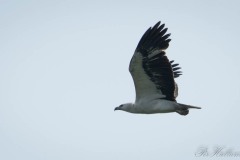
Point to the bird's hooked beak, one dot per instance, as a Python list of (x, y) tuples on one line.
[(117, 108)]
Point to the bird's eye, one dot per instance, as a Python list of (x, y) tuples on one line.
[(121, 105)]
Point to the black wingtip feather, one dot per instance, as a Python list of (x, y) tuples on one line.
[(162, 26), (174, 65), (177, 68), (154, 38)]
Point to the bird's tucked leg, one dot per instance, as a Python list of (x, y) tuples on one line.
[(183, 109), (183, 112)]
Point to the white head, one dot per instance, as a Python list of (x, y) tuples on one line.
[(128, 107)]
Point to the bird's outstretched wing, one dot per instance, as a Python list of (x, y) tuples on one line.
[(153, 74)]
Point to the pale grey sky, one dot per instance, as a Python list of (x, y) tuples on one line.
[(64, 68)]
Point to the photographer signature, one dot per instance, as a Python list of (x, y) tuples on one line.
[(218, 151)]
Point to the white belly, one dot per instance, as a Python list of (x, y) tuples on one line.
[(156, 106)]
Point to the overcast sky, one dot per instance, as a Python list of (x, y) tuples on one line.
[(64, 68)]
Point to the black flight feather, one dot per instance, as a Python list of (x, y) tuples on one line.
[(159, 69)]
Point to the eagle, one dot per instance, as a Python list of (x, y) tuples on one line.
[(154, 76)]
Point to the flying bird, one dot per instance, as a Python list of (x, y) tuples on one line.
[(154, 76)]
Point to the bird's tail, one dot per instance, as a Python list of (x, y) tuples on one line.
[(184, 109)]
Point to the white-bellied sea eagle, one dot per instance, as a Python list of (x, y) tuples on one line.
[(153, 75)]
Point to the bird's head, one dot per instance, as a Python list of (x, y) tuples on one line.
[(128, 107)]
